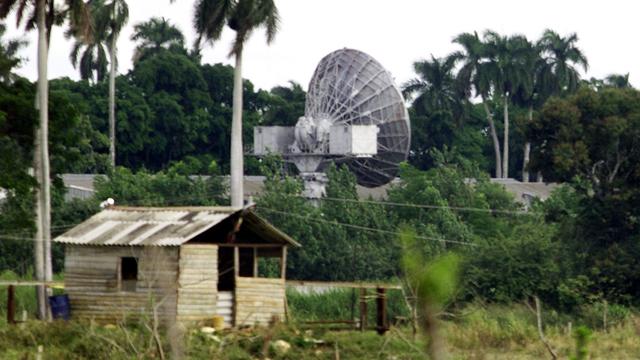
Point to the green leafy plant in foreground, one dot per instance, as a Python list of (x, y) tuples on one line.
[(582, 336), (434, 283)]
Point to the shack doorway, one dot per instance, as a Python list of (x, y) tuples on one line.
[(226, 269), (226, 284)]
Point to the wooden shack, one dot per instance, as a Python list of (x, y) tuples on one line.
[(188, 263)]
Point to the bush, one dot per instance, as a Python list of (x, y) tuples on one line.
[(523, 264)]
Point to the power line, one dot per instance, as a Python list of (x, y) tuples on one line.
[(152, 202), (363, 227), (423, 206), (358, 227), (374, 202), (145, 202)]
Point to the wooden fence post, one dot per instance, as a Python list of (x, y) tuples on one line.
[(11, 305), (381, 313), (363, 309)]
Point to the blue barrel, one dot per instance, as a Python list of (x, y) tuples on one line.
[(60, 308)]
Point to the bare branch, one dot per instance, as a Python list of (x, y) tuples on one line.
[(552, 352)]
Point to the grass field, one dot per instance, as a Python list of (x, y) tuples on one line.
[(495, 333), (473, 332)]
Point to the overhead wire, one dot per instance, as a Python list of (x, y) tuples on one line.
[(365, 228), (346, 200), (330, 222), (424, 206), (145, 202)]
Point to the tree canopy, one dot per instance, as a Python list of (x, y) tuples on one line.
[(173, 125)]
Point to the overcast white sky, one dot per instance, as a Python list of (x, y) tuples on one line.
[(396, 33)]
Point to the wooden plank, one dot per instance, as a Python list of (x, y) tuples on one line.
[(225, 295), (341, 284), (204, 310), (255, 262), (381, 311), (199, 246), (261, 288), (275, 246), (56, 284), (258, 293), (11, 304), (197, 282), (259, 281), (363, 309), (258, 300), (283, 263), (236, 261)]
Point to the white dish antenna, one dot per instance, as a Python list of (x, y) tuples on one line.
[(354, 115)]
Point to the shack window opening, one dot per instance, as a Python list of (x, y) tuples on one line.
[(269, 267), (269, 263), (128, 273)]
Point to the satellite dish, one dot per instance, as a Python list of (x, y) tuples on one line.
[(354, 115), (350, 88)]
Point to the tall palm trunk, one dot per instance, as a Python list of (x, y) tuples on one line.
[(505, 143), (112, 102), (38, 249), (527, 150), (494, 138), (42, 248), (237, 160)]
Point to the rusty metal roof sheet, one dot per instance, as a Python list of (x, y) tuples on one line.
[(171, 226), (166, 226)]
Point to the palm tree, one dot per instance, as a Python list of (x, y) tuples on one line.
[(506, 56), (436, 87), (42, 15), (154, 35), (532, 93), (562, 56), (89, 55), (8, 55), (243, 17), (108, 20), (618, 81), (474, 77), (117, 13)]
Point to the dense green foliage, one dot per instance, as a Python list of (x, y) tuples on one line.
[(173, 121), (593, 143)]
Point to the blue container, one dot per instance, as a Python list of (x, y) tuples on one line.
[(60, 308)]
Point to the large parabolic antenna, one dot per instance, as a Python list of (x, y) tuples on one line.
[(354, 115)]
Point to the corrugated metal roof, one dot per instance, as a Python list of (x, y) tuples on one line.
[(145, 226)]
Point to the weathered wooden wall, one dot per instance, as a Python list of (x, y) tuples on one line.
[(197, 282), (91, 281), (258, 300)]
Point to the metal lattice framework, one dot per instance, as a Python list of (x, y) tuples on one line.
[(350, 87)]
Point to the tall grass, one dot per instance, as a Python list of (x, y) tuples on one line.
[(25, 296), (342, 304), (485, 331)]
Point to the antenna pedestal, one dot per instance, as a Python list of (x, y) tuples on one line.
[(315, 184)]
